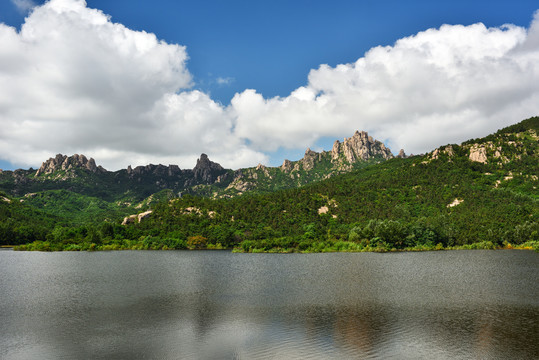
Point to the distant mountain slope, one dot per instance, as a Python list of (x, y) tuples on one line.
[(80, 175), (482, 192), (355, 152), (21, 223)]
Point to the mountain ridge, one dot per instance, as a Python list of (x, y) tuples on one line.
[(207, 178), (479, 194)]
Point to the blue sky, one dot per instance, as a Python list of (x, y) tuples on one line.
[(271, 47)]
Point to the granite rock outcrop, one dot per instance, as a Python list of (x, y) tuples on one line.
[(207, 171), (360, 147), (64, 162)]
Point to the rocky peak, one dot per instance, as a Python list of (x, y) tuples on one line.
[(206, 170), (287, 165), (402, 154), (310, 158), (64, 162), (335, 151), (360, 147), (157, 170)]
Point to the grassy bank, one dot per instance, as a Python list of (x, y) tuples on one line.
[(149, 243)]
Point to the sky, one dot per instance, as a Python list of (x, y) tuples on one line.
[(248, 82)]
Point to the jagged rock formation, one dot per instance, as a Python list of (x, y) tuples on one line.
[(207, 171), (287, 165), (310, 158), (344, 156), (207, 178), (158, 170), (448, 150), (478, 153), (359, 147), (496, 149), (63, 162), (402, 154), (63, 172)]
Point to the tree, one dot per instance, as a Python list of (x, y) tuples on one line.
[(196, 242)]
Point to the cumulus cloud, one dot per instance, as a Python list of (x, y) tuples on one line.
[(72, 81), (75, 82), (439, 86)]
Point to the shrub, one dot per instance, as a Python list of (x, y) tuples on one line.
[(196, 242)]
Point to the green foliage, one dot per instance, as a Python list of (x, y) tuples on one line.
[(75, 207), (196, 242), (20, 223), (394, 205)]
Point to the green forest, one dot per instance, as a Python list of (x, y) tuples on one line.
[(446, 199)]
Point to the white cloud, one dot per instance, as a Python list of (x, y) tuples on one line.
[(439, 86), (24, 5), (72, 81)]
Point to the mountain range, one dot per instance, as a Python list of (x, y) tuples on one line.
[(357, 196), (79, 174)]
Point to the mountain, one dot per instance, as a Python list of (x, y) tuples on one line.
[(355, 152), (65, 163), (479, 194), (81, 175)]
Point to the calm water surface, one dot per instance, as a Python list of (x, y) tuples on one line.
[(219, 305)]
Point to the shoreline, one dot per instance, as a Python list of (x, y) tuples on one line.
[(530, 246)]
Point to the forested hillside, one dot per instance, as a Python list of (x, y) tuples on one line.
[(480, 194), (443, 199)]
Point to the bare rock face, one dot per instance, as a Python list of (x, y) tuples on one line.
[(64, 162), (309, 159), (144, 215), (263, 169), (360, 147), (335, 151), (207, 171), (478, 153), (241, 182), (448, 150), (156, 170), (286, 166), (455, 202), (173, 170), (131, 219), (402, 154)]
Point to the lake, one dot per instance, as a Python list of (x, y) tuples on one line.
[(221, 305)]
